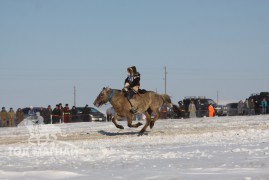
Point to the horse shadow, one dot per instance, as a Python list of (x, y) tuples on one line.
[(117, 133)]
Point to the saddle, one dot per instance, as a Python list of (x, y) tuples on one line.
[(129, 94)]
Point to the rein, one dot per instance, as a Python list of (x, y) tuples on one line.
[(111, 95)]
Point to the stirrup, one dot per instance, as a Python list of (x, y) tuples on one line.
[(133, 110)]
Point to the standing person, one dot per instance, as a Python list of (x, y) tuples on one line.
[(264, 106), (181, 109), (86, 113), (47, 115), (56, 114), (199, 108), (252, 107), (74, 114), (240, 108), (61, 112), (163, 112), (66, 114), (192, 109), (246, 111), (19, 116), (211, 110), (4, 117), (11, 117), (131, 87)]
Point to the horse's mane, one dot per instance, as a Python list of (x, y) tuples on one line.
[(117, 90)]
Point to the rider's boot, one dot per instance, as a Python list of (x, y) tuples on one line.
[(133, 110)]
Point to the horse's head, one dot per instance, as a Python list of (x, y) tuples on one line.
[(103, 97)]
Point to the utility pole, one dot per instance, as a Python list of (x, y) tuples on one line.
[(75, 95), (217, 97), (165, 73)]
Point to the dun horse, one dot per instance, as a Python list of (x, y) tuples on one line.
[(147, 103)]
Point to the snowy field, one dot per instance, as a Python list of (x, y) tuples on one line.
[(216, 148)]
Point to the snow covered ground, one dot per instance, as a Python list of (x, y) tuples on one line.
[(206, 148)]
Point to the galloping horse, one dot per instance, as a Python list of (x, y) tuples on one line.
[(147, 103)]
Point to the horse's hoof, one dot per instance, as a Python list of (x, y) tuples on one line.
[(139, 124), (120, 127), (151, 124)]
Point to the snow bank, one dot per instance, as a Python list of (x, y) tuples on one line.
[(206, 148)]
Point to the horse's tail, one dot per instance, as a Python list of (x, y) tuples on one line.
[(166, 99)]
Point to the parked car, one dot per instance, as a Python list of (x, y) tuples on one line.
[(167, 112), (26, 110), (232, 109), (95, 115), (220, 110)]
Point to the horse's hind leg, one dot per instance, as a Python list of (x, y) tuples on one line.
[(148, 118), (114, 120), (156, 117)]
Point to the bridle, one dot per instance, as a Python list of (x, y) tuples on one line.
[(111, 94)]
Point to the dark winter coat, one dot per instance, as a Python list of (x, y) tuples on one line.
[(19, 116), (74, 114), (56, 115), (86, 112), (133, 80), (47, 115)]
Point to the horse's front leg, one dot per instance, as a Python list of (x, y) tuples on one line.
[(130, 121), (114, 120)]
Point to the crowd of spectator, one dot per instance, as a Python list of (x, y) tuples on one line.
[(59, 114), (195, 110), (62, 114), (251, 107), (10, 118)]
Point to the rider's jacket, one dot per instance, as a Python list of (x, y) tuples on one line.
[(133, 80)]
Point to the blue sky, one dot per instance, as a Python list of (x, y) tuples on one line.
[(48, 47)]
